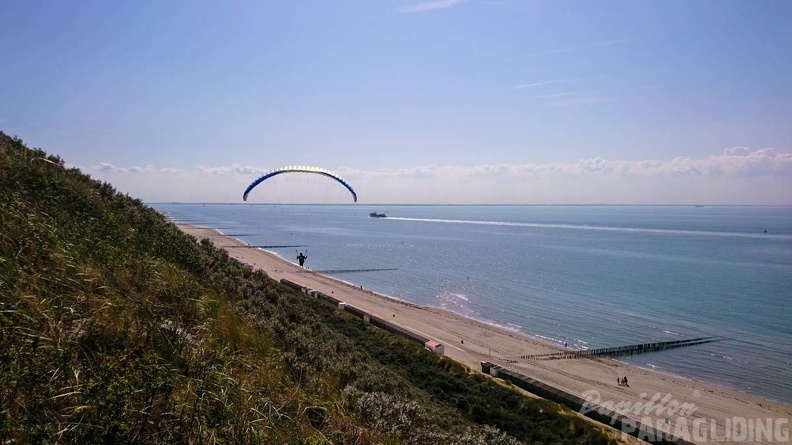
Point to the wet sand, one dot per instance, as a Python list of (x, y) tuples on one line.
[(708, 413)]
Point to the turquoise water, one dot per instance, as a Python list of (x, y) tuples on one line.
[(589, 276)]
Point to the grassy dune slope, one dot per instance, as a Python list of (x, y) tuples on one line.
[(115, 327)]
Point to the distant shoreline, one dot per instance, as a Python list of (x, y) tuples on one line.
[(470, 342)]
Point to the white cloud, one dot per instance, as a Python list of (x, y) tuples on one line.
[(234, 168), (737, 176), (107, 167), (738, 151), (430, 5), (102, 167)]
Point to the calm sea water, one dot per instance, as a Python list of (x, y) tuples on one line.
[(589, 276)]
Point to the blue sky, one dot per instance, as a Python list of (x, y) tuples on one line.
[(442, 101)]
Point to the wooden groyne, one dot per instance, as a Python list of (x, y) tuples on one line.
[(259, 247), (618, 351), (337, 271)]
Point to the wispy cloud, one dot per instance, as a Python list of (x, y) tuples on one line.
[(555, 95), (430, 5), (574, 48), (569, 98), (548, 82), (535, 84), (542, 83)]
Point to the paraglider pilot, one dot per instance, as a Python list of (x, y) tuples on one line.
[(301, 258)]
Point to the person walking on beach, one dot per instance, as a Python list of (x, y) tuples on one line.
[(301, 258)]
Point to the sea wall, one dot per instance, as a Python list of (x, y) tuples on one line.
[(390, 327), (293, 285), (360, 313), (580, 405)]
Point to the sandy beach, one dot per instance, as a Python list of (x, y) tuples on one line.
[(695, 411)]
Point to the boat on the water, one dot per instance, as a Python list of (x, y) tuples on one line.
[(377, 215)]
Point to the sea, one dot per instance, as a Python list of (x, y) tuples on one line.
[(587, 276)]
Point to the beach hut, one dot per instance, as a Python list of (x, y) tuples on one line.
[(495, 371), (435, 347)]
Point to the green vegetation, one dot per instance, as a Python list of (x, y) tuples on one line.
[(115, 327)]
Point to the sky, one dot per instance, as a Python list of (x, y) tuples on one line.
[(410, 101)]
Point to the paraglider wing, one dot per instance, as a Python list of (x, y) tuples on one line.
[(299, 169)]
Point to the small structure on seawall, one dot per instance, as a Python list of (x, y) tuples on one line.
[(435, 347)]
